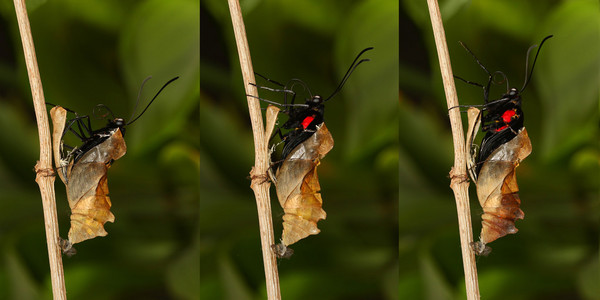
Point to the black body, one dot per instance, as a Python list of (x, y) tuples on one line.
[(96, 138), (303, 118), (304, 124), (494, 122), (92, 138), (502, 118)]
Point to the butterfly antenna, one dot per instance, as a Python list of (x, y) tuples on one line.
[(349, 72), (143, 111), (294, 81), (139, 96), (476, 59), (527, 78)]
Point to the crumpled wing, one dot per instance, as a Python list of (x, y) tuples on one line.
[(87, 189), (497, 188), (298, 187)]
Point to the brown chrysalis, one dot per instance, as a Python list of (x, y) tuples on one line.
[(84, 175), (492, 166), (304, 145), (298, 187), (496, 183), (83, 170)]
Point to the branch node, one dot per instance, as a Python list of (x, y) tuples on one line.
[(258, 179), (43, 172), (457, 179)]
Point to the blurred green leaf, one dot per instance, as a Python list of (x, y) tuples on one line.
[(435, 283), (588, 279), (108, 15), (161, 39), (183, 274), (410, 287), (570, 86), (22, 285), (236, 287), (370, 125)]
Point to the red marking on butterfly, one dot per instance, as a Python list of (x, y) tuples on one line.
[(508, 115), (307, 121)]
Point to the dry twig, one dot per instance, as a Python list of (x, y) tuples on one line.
[(44, 172), (458, 174), (261, 155)]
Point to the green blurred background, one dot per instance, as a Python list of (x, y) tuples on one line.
[(92, 52), (555, 253), (355, 255)]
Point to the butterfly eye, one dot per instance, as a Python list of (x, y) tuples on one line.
[(119, 122)]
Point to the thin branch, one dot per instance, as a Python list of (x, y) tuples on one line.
[(458, 174), (44, 172), (260, 185)]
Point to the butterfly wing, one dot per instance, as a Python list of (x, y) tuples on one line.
[(497, 188), (298, 187), (87, 188)]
